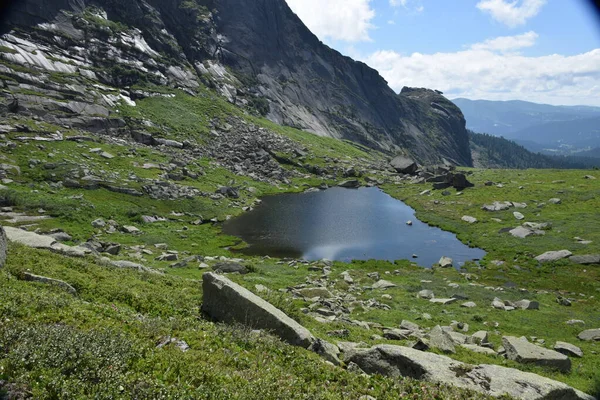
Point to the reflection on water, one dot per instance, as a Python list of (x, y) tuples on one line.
[(344, 224)]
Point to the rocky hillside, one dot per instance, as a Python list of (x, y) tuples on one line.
[(74, 62)]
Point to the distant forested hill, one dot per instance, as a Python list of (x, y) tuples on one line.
[(495, 152)]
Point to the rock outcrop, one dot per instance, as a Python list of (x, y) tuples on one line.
[(256, 53), (226, 301), (521, 351), (397, 361)]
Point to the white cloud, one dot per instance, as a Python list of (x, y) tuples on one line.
[(346, 20), (511, 12), (412, 5), (489, 70), (507, 43)]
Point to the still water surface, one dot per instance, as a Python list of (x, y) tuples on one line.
[(344, 224)]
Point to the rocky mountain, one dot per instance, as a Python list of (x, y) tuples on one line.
[(509, 118), (74, 62)]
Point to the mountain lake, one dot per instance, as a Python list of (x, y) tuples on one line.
[(344, 224)]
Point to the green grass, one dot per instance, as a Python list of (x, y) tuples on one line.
[(102, 343)]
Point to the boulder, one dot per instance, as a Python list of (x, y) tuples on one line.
[(492, 380), (590, 335), (315, 292), (351, 184), (409, 326), (3, 247), (522, 232), (521, 351), (478, 349), (383, 284), (226, 301), (550, 256), (404, 165), (441, 340), (396, 334), (586, 259), (326, 350), (568, 349), (49, 281), (32, 239), (527, 305), (479, 338), (426, 294), (443, 301), (497, 206), (445, 262), (230, 268), (518, 215), (468, 219)]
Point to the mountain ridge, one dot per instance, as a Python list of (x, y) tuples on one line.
[(256, 53)]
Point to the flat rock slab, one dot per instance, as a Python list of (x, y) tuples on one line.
[(493, 380), (229, 302), (568, 349), (523, 232), (586, 259), (31, 239), (443, 301), (382, 284), (49, 281), (478, 349), (590, 335), (520, 350), (550, 256)]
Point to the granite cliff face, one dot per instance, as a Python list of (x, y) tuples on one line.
[(256, 53)]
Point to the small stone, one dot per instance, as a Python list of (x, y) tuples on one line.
[(425, 294), (469, 304), (555, 201), (468, 219), (518, 215), (130, 229), (99, 223)]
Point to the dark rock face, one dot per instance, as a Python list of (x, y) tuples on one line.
[(277, 62), (316, 88)]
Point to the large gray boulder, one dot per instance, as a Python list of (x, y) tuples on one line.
[(586, 259), (404, 165), (441, 340), (590, 335), (550, 256), (397, 361), (226, 301), (521, 351), (32, 239), (3, 246)]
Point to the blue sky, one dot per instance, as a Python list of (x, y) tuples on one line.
[(538, 50)]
